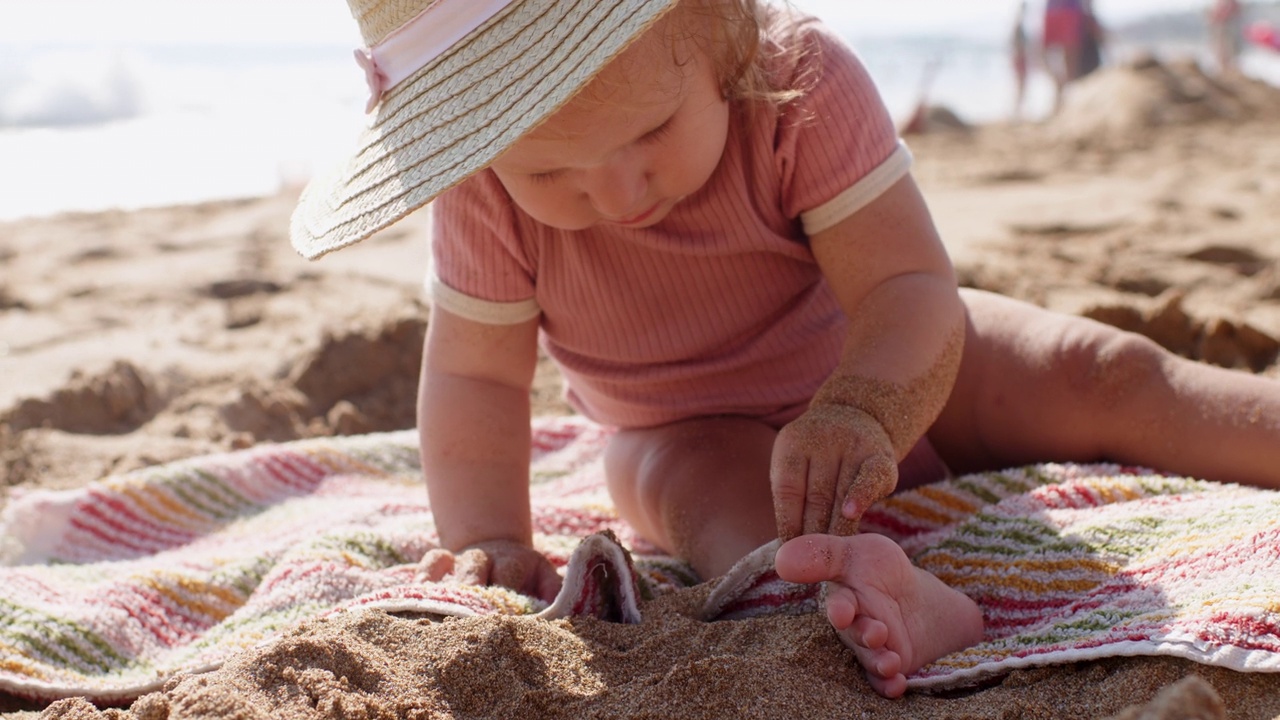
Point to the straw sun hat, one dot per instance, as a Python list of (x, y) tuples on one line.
[(452, 84)]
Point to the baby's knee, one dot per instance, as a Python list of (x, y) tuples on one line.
[(638, 462), (1106, 366), (630, 477), (645, 467)]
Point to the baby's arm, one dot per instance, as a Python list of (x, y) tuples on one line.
[(906, 336), (473, 419)]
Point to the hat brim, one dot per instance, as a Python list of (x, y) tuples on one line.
[(455, 115)]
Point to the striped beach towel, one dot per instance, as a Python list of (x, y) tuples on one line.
[(1080, 562), (108, 591)]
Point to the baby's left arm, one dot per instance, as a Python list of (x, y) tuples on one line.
[(894, 280)]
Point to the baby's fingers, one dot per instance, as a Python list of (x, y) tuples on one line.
[(860, 488), (821, 500), (789, 477), (435, 565), (473, 566), (527, 573), (547, 584)]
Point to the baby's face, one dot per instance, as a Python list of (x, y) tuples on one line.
[(647, 132)]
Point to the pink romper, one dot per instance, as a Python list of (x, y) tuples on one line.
[(721, 308)]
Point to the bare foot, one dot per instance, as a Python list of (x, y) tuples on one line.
[(896, 617)]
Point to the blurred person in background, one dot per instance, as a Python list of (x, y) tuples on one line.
[(1062, 43), (1226, 30), (1019, 49), (1092, 41)]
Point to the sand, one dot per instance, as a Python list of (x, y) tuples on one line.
[(134, 338)]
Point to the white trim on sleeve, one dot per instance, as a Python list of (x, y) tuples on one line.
[(482, 311), (858, 196)]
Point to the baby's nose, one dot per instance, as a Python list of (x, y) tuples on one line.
[(619, 189)]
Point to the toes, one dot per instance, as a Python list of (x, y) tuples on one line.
[(883, 669), (871, 633), (887, 665), (842, 606), (811, 559), (854, 629), (880, 662), (893, 687), (822, 558)]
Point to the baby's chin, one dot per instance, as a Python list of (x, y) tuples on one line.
[(578, 224), (648, 219)]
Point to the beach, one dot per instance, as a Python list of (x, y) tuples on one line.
[(135, 338)]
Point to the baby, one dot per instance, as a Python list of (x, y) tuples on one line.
[(702, 211)]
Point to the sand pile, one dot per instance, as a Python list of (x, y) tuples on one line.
[(1218, 341), (1119, 105), (933, 119), (372, 665), (356, 381)]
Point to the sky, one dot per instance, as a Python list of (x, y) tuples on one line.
[(325, 22)]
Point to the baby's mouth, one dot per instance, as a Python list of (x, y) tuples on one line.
[(637, 219)]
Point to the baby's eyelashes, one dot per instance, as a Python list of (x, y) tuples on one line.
[(653, 136), (657, 133), (544, 178)]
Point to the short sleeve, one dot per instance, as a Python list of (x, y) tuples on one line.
[(837, 148), (481, 269)]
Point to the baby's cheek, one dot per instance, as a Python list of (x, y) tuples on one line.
[(561, 210)]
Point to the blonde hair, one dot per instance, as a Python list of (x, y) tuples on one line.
[(741, 36), (744, 39)]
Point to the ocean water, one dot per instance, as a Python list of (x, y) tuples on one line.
[(145, 125), (96, 125)]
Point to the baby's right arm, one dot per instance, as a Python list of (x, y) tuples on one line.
[(473, 422)]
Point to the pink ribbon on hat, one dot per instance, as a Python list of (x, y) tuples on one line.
[(423, 39)]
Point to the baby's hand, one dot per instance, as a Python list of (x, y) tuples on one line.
[(507, 563), (829, 466)]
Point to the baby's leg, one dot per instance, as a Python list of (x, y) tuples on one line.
[(1037, 386), (896, 617), (699, 488)]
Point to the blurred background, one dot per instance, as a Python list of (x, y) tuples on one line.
[(136, 103)]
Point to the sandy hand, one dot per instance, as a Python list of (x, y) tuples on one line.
[(507, 563), (829, 466)]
